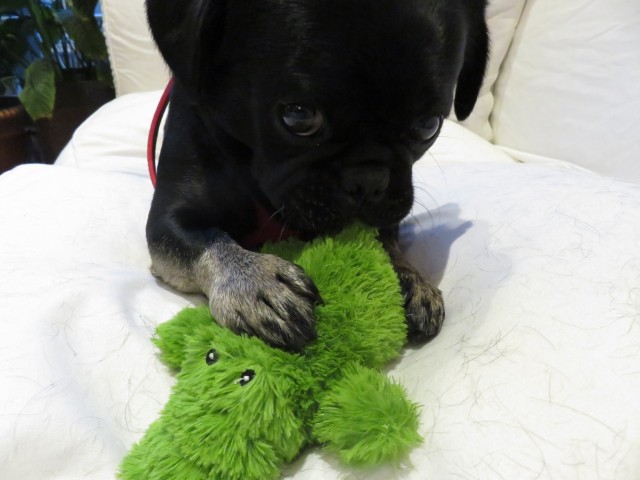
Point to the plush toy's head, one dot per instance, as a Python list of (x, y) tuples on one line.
[(241, 409), (235, 409)]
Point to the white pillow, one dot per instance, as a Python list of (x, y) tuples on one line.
[(135, 62), (502, 18), (114, 138), (570, 86)]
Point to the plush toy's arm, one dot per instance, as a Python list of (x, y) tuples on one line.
[(172, 336), (366, 419), (156, 457)]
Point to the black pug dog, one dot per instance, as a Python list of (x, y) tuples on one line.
[(300, 116)]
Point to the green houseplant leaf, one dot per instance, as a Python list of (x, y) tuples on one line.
[(85, 33), (38, 95), (84, 8), (13, 46), (48, 28), (44, 42)]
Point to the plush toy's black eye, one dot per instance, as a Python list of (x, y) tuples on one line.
[(301, 120), (246, 377), (212, 357), (426, 128)]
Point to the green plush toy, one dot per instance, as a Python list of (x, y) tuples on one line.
[(240, 409)]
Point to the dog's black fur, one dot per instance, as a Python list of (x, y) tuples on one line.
[(254, 80)]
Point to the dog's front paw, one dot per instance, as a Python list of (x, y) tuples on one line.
[(268, 297), (423, 304)]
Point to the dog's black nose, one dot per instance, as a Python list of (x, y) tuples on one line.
[(365, 183)]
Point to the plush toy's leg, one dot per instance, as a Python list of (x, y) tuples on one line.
[(367, 420)]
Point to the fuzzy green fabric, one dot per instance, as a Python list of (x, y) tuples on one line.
[(240, 409)]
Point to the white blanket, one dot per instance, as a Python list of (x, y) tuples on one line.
[(536, 373)]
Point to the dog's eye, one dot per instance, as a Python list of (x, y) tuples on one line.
[(426, 128), (301, 120)]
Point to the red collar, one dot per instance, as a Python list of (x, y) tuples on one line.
[(268, 229)]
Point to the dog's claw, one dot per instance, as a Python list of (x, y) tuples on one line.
[(424, 306), (270, 298)]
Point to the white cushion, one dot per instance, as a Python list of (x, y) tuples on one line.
[(535, 374), (114, 138), (570, 86), (135, 62), (502, 18)]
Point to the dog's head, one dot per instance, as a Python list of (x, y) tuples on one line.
[(328, 103)]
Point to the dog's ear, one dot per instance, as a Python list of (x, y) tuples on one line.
[(475, 60), (188, 34)]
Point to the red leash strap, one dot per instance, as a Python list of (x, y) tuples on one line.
[(155, 128)]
